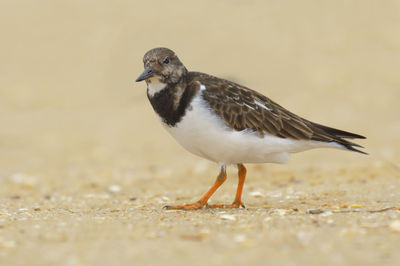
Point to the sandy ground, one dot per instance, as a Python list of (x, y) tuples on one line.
[(85, 167)]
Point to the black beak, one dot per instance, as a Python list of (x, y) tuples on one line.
[(147, 73)]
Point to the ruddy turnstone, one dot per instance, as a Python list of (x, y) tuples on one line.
[(228, 123)]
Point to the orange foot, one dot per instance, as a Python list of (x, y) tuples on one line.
[(186, 207), (228, 206)]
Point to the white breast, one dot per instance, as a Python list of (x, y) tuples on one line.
[(154, 85), (203, 133)]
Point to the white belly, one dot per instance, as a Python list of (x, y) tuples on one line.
[(203, 133)]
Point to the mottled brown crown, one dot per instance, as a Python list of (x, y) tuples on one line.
[(165, 64), (158, 53)]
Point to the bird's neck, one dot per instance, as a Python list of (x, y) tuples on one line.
[(171, 100)]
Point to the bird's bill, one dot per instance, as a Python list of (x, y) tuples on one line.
[(147, 73)]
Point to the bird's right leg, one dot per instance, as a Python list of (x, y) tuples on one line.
[(203, 201)]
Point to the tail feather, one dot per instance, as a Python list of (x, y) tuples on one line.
[(328, 134), (339, 133), (350, 146)]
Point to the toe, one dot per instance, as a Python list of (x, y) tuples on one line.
[(185, 207)]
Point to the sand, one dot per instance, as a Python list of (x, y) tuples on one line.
[(85, 166)]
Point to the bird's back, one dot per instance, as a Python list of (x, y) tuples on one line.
[(242, 108)]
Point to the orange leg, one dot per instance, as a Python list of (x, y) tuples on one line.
[(203, 201), (238, 198)]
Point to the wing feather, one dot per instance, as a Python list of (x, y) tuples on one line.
[(242, 109)]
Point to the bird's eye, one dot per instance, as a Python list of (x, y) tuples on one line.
[(166, 60)]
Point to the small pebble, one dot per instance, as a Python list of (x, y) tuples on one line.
[(395, 225), (256, 194), (15, 197), (240, 238), (275, 195), (27, 181), (304, 238), (283, 211), (326, 213), (97, 196), (290, 190), (267, 219), (114, 188), (196, 237), (17, 178), (315, 211), (228, 217), (165, 198)]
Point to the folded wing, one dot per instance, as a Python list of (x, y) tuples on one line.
[(242, 108)]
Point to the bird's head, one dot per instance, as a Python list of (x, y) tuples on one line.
[(162, 66)]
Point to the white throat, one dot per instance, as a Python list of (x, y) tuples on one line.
[(154, 85)]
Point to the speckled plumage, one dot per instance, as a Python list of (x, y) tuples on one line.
[(242, 108), (228, 123)]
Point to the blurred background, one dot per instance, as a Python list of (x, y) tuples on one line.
[(71, 113), (67, 71)]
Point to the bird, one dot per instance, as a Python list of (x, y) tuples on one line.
[(228, 123)]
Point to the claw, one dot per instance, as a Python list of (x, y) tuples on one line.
[(186, 207)]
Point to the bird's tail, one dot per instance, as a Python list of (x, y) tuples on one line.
[(338, 136)]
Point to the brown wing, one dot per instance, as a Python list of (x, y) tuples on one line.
[(242, 108)]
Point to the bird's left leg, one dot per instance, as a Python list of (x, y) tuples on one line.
[(238, 198)]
